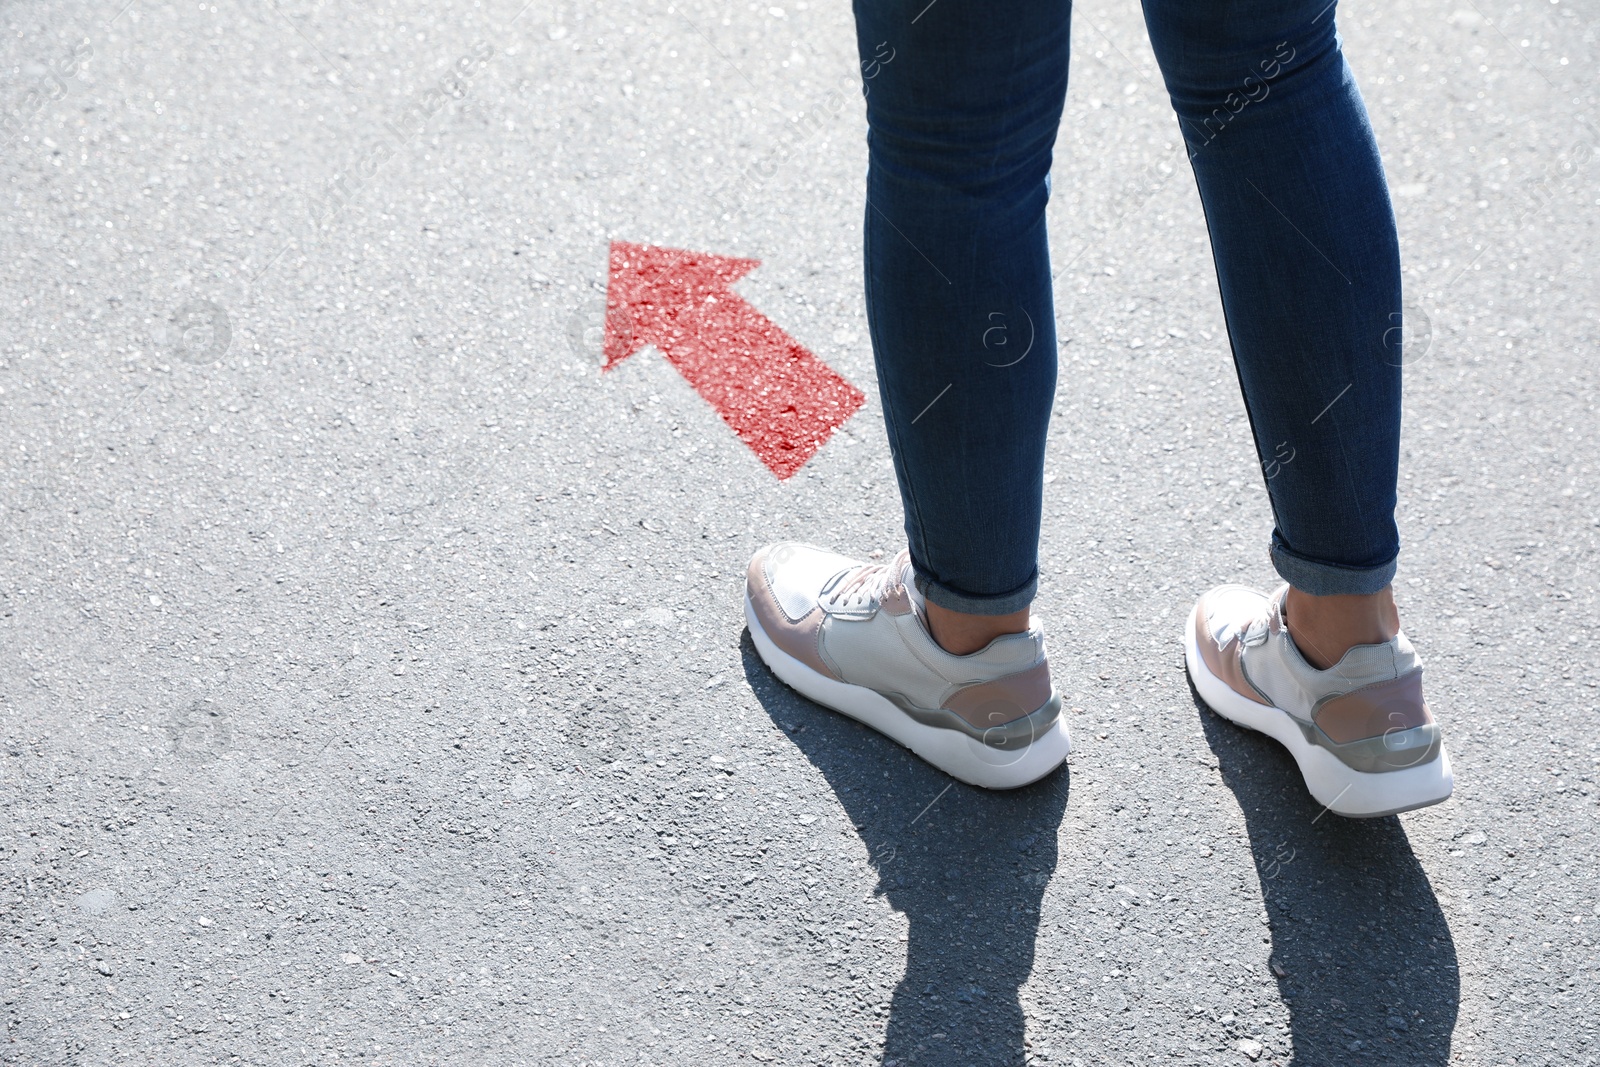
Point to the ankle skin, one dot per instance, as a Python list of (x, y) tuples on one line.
[(961, 634), (1324, 628)]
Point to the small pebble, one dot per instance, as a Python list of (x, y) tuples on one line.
[(97, 901)]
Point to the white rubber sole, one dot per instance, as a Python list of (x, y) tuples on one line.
[(1337, 787), (952, 752)]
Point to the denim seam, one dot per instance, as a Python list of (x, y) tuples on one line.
[(913, 507), (1233, 353), (1350, 477)]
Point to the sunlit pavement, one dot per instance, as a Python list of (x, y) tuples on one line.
[(372, 667)]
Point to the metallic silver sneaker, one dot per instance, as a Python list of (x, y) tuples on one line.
[(1360, 730), (851, 636)]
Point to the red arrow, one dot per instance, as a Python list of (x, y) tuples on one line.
[(780, 399)]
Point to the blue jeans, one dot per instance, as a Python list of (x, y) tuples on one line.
[(963, 102)]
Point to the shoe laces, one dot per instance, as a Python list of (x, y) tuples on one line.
[(867, 583), (1250, 633)]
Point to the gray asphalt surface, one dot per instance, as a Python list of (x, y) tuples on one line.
[(372, 672)]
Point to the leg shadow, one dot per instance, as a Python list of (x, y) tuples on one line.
[(967, 867), (1362, 953)]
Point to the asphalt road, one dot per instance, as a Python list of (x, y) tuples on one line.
[(373, 680)]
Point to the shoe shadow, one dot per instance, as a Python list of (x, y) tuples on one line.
[(967, 866), (1363, 957)]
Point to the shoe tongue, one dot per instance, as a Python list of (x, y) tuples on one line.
[(908, 578), (1275, 603)]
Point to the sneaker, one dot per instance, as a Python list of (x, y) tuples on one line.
[(1360, 730), (852, 637)]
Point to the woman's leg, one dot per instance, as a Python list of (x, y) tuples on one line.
[(1306, 255), (1307, 259), (963, 101), (963, 104)]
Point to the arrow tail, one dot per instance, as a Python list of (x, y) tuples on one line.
[(781, 400)]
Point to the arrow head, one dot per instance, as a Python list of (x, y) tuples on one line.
[(782, 401), (650, 289)]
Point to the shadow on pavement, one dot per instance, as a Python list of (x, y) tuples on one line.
[(967, 866), (1363, 957)]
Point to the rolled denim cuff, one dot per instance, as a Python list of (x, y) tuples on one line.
[(1329, 579), (955, 600)]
